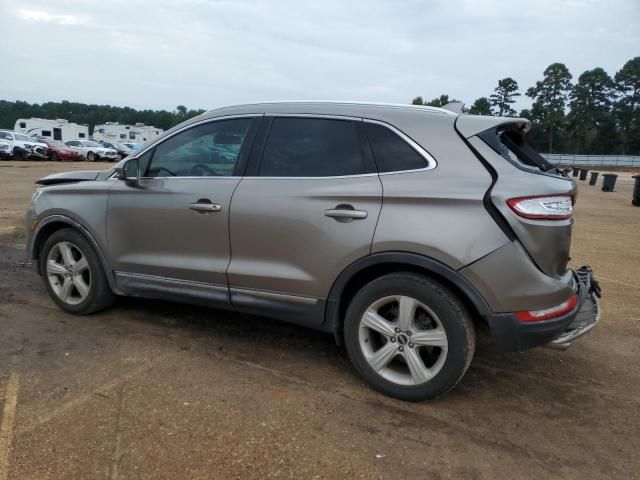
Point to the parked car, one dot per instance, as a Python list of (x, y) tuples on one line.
[(122, 149), (398, 229), (58, 151), (134, 146), (22, 146), (93, 151), (5, 150)]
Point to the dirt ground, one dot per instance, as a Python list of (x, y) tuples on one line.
[(165, 391)]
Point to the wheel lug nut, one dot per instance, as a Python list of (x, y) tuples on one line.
[(393, 339), (409, 333), (410, 345), (401, 348), (397, 330)]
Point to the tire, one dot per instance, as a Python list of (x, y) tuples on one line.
[(437, 337), (92, 157), (54, 157), (82, 291), (18, 154)]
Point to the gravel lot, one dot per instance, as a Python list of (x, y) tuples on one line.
[(159, 390)]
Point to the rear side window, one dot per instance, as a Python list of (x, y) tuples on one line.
[(313, 147), (391, 152)]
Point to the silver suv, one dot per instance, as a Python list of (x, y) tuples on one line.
[(400, 230)]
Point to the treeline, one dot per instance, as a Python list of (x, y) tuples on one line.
[(597, 114), (92, 114)]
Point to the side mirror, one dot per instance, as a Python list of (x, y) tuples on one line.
[(129, 172)]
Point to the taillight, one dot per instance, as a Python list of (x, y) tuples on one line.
[(548, 313), (545, 207)]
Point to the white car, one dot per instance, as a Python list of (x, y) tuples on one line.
[(19, 146), (93, 151)]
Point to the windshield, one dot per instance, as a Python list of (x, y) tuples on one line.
[(89, 143), (24, 138)]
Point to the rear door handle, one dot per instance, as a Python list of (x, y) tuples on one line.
[(345, 213), (202, 207)]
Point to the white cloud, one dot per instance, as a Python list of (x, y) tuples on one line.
[(46, 17), (208, 53)]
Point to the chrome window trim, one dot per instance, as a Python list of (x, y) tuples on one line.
[(431, 162)]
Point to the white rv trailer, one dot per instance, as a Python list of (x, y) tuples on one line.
[(115, 132), (59, 129)]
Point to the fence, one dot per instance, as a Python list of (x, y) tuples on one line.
[(593, 160)]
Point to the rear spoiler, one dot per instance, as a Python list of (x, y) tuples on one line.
[(470, 125)]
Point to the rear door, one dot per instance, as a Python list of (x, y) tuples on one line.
[(173, 227), (306, 209)]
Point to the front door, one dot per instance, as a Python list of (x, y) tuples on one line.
[(309, 212), (171, 229)]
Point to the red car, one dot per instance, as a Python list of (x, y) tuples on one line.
[(58, 151)]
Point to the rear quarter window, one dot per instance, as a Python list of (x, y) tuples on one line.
[(391, 152)]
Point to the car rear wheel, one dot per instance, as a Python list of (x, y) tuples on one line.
[(92, 157), (73, 274), (54, 157), (409, 337)]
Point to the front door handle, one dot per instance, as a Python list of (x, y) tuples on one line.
[(205, 207), (345, 213)]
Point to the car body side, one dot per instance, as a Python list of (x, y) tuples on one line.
[(446, 229)]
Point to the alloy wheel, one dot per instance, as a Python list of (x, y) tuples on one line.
[(68, 273), (403, 340)]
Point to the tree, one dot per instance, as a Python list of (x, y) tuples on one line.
[(91, 114), (441, 101), (627, 108), (549, 100), (504, 96), (590, 109), (481, 106)]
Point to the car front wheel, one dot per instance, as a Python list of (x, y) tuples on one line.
[(73, 274), (409, 337), (92, 157)]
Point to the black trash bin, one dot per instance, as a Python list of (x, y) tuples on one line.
[(576, 171), (609, 182), (636, 192), (594, 178), (583, 174)]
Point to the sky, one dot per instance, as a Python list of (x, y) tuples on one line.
[(209, 53)]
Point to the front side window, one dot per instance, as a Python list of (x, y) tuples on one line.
[(391, 152), (208, 150), (5, 136), (312, 147)]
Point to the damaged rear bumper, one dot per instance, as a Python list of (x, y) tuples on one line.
[(511, 334)]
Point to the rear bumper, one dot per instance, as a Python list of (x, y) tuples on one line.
[(511, 334)]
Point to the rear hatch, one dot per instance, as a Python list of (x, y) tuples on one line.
[(531, 199)]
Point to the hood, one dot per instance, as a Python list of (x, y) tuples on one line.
[(68, 177)]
